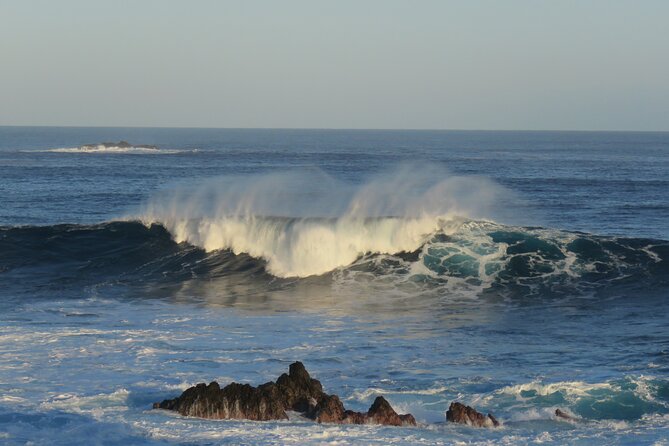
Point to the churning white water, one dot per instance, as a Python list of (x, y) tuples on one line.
[(307, 223)]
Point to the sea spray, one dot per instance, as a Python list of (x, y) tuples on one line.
[(307, 222)]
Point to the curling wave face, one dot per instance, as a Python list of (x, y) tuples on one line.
[(308, 246)]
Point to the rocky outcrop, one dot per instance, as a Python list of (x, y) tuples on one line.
[(459, 413), (296, 391), (120, 145), (382, 413), (234, 401), (331, 410)]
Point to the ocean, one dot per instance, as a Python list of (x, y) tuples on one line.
[(516, 272)]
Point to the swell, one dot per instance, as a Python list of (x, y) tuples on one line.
[(126, 252), (455, 256)]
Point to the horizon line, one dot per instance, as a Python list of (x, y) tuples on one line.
[(425, 129)]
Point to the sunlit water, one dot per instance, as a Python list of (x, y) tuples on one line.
[(507, 308)]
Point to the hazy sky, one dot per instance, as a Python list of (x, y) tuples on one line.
[(336, 64)]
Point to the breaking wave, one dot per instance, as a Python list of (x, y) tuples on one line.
[(430, 231), (629, 398), (466, 258), (308, 223)]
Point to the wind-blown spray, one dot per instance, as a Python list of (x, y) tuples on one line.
[(307, 222)]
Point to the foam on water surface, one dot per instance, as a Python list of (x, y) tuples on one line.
[(516, 272), (142, 352)]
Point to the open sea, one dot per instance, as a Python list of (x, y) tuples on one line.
[(516, 272)]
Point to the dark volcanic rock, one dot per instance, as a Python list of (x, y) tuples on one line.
[(331, 410), (382, 413), (299, 391), (236, 401), (352, 417), (459, 413), (293, 391)]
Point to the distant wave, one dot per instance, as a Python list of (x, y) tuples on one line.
[(102, 149)]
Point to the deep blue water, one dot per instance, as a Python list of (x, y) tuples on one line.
[(518, 272)]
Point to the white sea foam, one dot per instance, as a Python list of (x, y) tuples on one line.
[(95, 405), (568, 388), (308, 223), (105, 149), (543, 413), (12, 399), (644, 387), (647, 388)]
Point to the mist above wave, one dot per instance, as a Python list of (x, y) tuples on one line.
[(306, 222)]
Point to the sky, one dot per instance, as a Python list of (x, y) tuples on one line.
[(419, 64)]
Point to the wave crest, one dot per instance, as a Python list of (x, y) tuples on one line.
[(306, 246), (308, 223), (454, 257)]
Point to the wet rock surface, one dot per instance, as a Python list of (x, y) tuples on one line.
[(459, 413), (331, 410), (234, 401), (295, 391), (382, 413)]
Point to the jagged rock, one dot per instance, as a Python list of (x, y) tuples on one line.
[(382, 413), (234, 401), (459, 413), (352, 417), (329, 410), (299, 391), (293, 391)]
